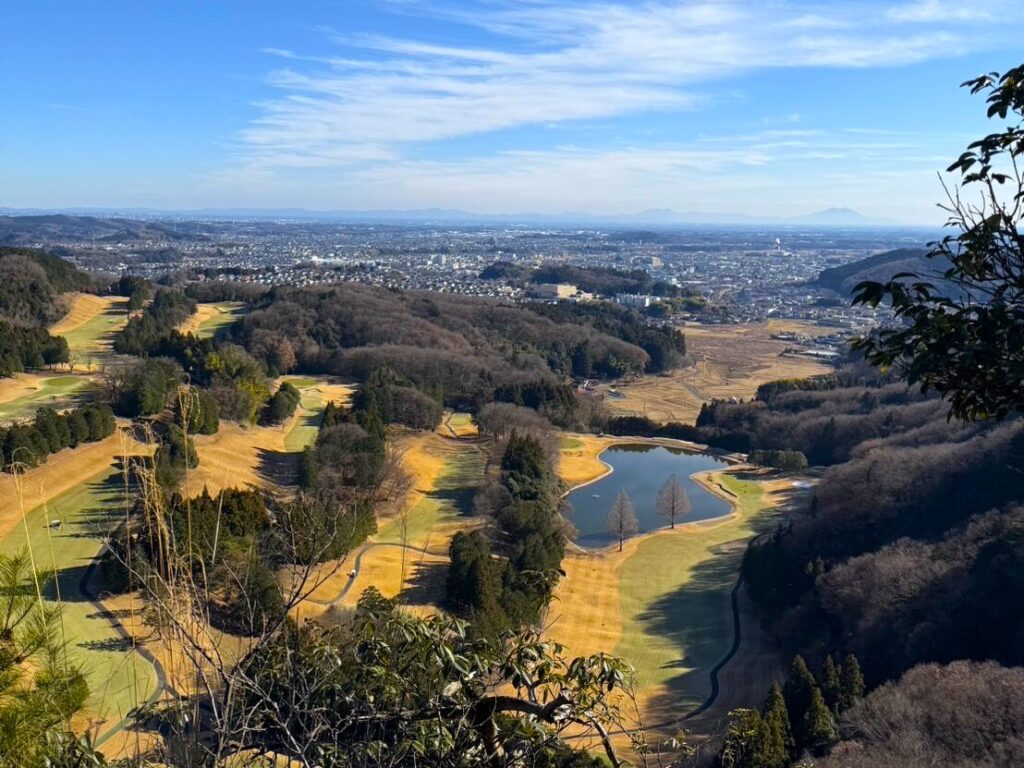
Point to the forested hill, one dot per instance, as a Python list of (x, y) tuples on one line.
[(600, 280), (463, 349), (881, 267), (30, 283), (21, 230)]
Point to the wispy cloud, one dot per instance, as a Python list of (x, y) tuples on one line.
[(937, 11), (366, 120), (556, 62)]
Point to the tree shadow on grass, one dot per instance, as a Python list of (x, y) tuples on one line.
[(278, 467), (426, 585), (109, 645), (698, 619)]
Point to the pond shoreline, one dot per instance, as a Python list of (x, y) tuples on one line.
[(702, 478)]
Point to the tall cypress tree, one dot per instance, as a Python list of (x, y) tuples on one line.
[(819, 724), (777, 740), (831, 685), (852, 683), (798, 692)]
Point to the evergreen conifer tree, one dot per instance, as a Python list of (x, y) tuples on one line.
[(852, 683), (798, 692), (819, 724), (831, 685), (777, 742)]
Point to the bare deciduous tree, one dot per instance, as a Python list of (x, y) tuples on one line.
[(622, 522), (673, 503)]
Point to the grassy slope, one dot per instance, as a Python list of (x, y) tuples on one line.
[(91, 324), (444, 507), (118, 680), (210, 318), (674, 597), (56, 391)]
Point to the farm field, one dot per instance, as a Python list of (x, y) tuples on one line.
[(731, 361), (83, 489), (664, 604), (211, 317), (22, 394), (89, 327)]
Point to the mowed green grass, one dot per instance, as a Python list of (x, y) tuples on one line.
[(448, 504), (118, 679), (674, 596), (93, 337), (226, 313), (58, 392), (312, 407)]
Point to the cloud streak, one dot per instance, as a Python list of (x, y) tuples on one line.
[(362, 120), (563, 62)]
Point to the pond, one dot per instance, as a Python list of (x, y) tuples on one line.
[(640, 470)]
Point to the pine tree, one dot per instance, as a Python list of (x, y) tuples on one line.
[(819, 724), (775, 747), (831, 685), (799, 693), (852, 683)]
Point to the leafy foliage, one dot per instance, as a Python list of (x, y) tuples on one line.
[(969, 346)]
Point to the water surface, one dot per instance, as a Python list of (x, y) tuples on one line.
[(640, 470)]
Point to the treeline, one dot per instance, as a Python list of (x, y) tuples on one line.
[(504, 580), (233, 377), (457, 349), (31, 282), (23, 348), (32, 442), (349, 471), (665, 346), (167, 311), (797, 721), (963, 715), (282, 404), (395, 401), (826, 425)]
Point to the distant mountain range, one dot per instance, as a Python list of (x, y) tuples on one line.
[(664, 217)]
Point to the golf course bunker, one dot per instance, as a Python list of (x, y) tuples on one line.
[(640, 470)]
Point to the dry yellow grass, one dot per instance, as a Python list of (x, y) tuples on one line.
[(584, 614), (21, 385), (381, 566), (578, 462), (424, 460), (62, 472), (84, 307), (209, 317), (240, 456), (89, 327), (607, 603), (458, 425), (731, 361)]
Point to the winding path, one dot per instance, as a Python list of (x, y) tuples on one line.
[(162, 683)]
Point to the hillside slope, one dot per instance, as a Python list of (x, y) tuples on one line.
[(880, 267)]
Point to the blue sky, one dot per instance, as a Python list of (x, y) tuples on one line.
[(768, 108)]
